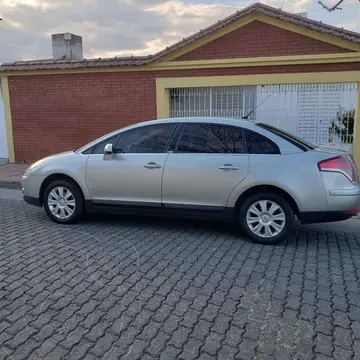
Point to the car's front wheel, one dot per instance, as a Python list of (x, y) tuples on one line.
[(266, 218), (63, 202)]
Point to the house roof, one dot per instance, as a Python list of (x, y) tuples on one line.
[(258, 8)]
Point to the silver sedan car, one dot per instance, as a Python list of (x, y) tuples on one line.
[(207, 168)]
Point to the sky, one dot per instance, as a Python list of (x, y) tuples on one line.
[(132, 27)]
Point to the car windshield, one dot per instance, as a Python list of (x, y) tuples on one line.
[(288, 136)]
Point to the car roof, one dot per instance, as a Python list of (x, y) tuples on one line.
[(216, 120)]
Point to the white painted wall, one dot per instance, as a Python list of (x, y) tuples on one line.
[(3, 141)]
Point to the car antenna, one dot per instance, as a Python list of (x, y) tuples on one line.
[(247, 116)]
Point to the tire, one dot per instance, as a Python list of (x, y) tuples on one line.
[(76, 198), (279, 230)]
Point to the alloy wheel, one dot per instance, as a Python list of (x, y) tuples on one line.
[(265, 218), (61, 202)]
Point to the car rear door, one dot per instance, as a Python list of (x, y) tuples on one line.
[(132, 174), (207, 163)]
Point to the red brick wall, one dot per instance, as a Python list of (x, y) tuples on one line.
[(54, 113), (260, 39)]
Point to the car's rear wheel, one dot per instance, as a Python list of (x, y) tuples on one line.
[(266, 218), (63, 202)]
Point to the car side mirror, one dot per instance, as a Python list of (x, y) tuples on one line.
[(108, 149)]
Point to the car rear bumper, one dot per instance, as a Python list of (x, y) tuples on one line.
[(342, 205), (313, 217), (32, 200), (344, 200)]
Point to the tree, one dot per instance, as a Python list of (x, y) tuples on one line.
[(343, 126), (332, 8)]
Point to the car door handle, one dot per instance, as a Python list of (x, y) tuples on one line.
[(228, 167), (152, 165)]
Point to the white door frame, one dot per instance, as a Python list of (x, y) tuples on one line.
[(3, 140)]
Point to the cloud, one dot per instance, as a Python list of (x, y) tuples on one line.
[(348, 25), (120, 27)]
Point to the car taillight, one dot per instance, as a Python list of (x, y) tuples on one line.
[(341, 165)]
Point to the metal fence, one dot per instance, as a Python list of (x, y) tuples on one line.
[(320, 113)]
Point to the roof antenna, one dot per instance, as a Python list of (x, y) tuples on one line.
[(246, 117), (282, 5)]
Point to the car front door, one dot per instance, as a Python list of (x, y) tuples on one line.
[(208, 162), (132, 174)]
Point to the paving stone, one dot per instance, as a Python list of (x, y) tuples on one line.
[(212, 344), (24, 351), (307, 312), (190, 318), (324, 344), (342, 354), (74, 337), (324, 307), (191, 349), (343, 337), (79, 350), (103, 344), (97, 331), (341, 319), (170, 352), (150, 331), (324, 325), (57, 354), (233, 336), (21, 337), (221, 325), (158, 344), (247, 349), (179, 337)]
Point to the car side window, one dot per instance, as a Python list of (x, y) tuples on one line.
[(211, 138), (145, 139), (99, 148), (259, 144)]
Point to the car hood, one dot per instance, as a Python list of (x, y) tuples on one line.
[(47, 159)]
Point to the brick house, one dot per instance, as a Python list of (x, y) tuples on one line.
[(296, 72)]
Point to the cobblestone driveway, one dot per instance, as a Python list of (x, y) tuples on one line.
[(143, 288)]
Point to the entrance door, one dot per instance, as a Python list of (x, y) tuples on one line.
[(132, 174)]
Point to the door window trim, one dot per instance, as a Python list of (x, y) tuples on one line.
[(175, 124), (90, 150), (183, 125), (278, 152)]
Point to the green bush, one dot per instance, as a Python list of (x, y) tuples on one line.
[(343, 126)]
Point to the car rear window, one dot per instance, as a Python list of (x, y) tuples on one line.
[(300, 143)]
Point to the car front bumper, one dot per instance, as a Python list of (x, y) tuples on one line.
[(32, 200), (31, 185)]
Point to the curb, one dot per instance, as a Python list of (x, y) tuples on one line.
[(11, 184)]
